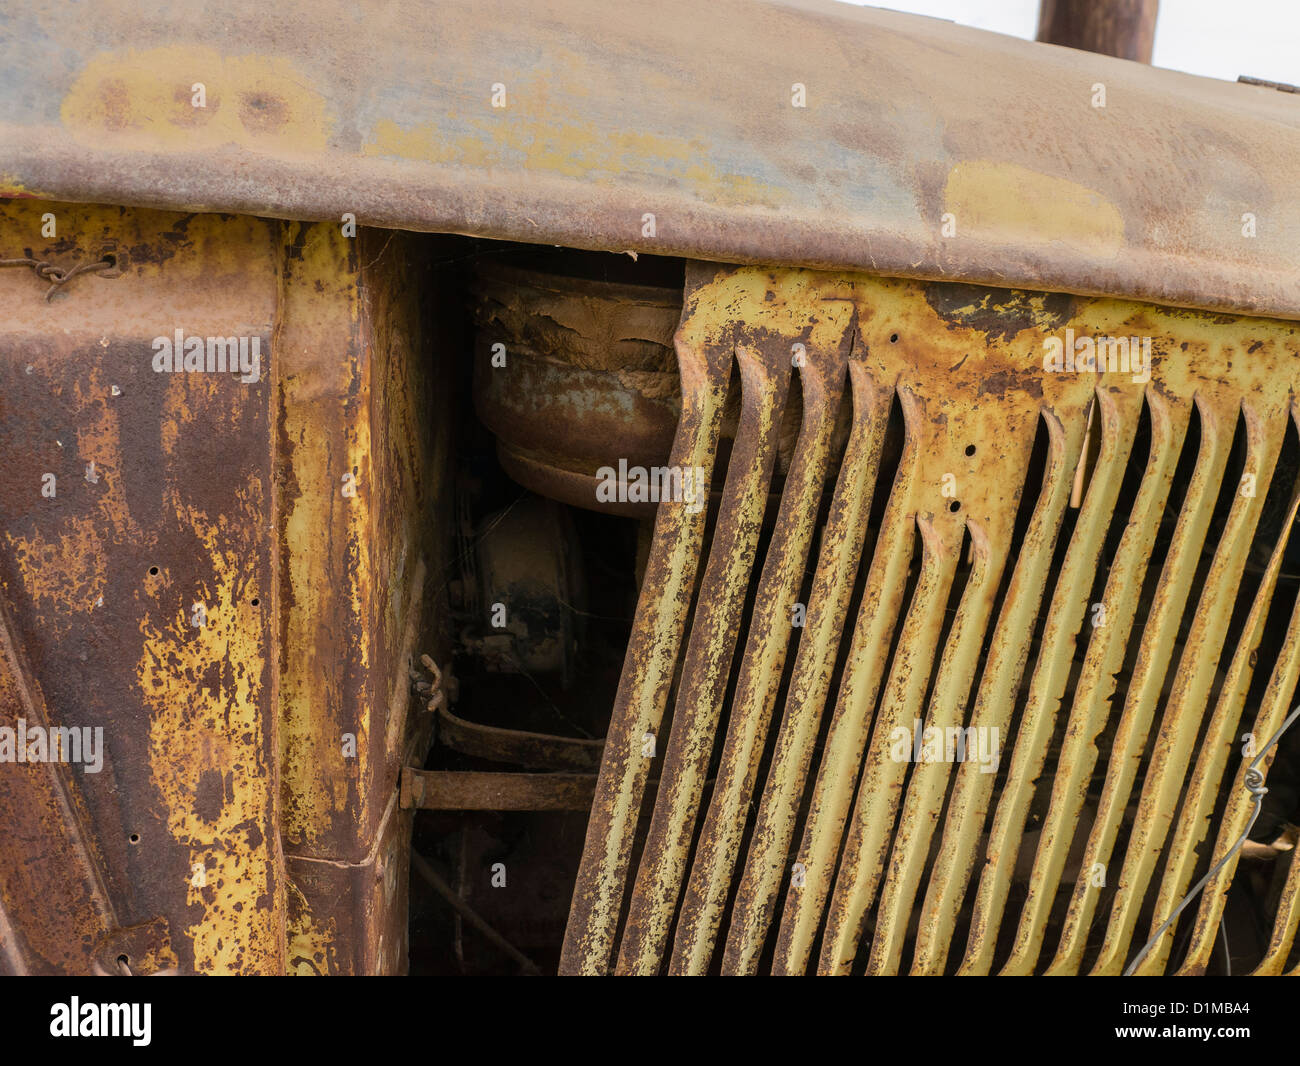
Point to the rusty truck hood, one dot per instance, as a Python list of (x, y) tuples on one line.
[(924, 149)]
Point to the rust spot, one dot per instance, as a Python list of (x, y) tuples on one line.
[(998, 314), (262, 112), (117, 104)]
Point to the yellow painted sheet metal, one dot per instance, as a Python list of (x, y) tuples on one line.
[(959, 605)]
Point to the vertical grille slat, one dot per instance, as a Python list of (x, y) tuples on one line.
[(867, 844), (1185, 709), (1155, 650), (1288, 921), (1276, 703), (952, 596), (810, 683), (929, 781), (882, 602), (1097, 680), (760, 677), (1007, 658), (709, 653), (1273, 710), (1220, 740), (1065, 619), (657, 629)]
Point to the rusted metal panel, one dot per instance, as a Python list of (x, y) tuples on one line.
[(236, 601), (952, 595), (448, 790), (386, 111), (536, 750), (351, 918), (54, 908), (142, 578), (355, 430)]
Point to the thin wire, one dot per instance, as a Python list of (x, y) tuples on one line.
[(58, 276), (1254, 784)]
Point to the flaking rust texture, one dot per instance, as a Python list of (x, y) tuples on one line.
[(226, 574), (354, 436), (592, 376), (974, 377), (142, 585)]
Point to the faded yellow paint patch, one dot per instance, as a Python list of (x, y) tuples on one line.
[(147, 97), (791, 302), (425, 144), (1007, 204), (569, 150)]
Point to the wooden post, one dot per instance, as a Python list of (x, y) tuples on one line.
[(1123, 28)]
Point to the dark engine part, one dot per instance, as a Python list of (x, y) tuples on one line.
[(522, 590)]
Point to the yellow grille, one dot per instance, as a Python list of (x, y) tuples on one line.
[(800, 839)]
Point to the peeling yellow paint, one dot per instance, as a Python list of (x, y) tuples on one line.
[(208, 758), (64, 572), (321, 312), (311, 943)]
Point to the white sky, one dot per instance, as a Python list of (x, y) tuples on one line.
[(1214, 38)]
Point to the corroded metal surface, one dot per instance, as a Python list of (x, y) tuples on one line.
[(226, 575), (143, 588), (572, 372), (535, 750), (976, 613), (355, 432), (451, 790), (386, 110), (51, 914)]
